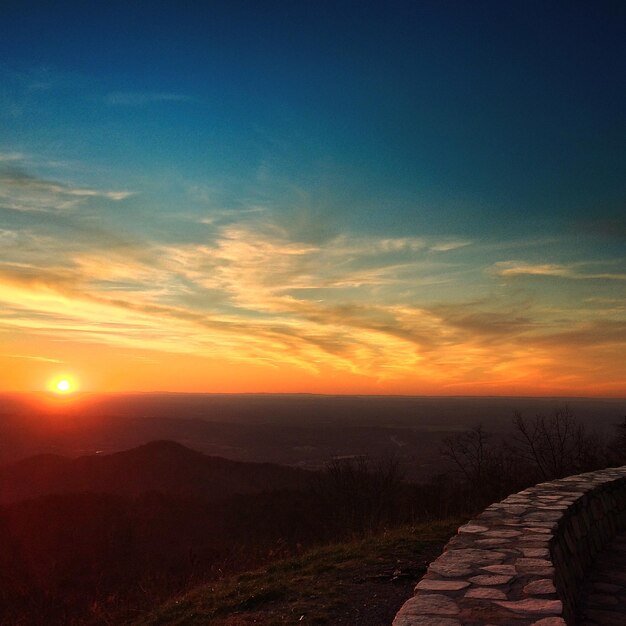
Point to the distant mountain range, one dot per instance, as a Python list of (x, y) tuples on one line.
[(160, 466), (301, 431)]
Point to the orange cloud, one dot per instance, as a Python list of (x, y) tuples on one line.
[(342, 313)]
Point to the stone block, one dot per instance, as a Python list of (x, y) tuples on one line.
[(433, 584), (540, 587), (485, 593), (532, 606), (489, 580), (431, 604)]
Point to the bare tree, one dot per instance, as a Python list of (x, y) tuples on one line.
[(487, 469), (362, 494), (617, 446), (470, 452), (556, 445)]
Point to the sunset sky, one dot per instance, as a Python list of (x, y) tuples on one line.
[(403, 197)]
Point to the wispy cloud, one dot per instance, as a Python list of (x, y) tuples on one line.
[(255, 294), (31, 357), (447, 246), (137, 98), (511, 269), (22, 191), (11, 157)]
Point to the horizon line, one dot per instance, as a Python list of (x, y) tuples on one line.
[(82, 394)]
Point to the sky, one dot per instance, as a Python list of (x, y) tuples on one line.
[(390, 197)]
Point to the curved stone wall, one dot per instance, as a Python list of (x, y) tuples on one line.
[(521, 560)]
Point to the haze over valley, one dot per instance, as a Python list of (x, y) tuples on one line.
[(305, 431)]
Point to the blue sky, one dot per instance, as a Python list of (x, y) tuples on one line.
[(402, 193)]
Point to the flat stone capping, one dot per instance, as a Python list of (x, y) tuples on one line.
[(520, 562)]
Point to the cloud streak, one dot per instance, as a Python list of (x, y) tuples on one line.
[(512, 269), (30, 357), (137, 99), (21, 191)]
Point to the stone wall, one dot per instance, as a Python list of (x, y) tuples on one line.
[(521, 560)]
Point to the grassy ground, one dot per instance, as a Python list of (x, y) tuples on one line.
[(361, 583)]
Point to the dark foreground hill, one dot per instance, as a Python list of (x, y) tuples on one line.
[(161, 466), (86, 540)]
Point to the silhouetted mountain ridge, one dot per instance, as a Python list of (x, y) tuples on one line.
[(159, 466)]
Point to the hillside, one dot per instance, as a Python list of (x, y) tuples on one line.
[(90, 538), (359, 583), (161, 466)]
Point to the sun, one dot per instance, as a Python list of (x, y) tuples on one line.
[(63, 385)]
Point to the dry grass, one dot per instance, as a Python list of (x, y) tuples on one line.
[(361, 583)]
